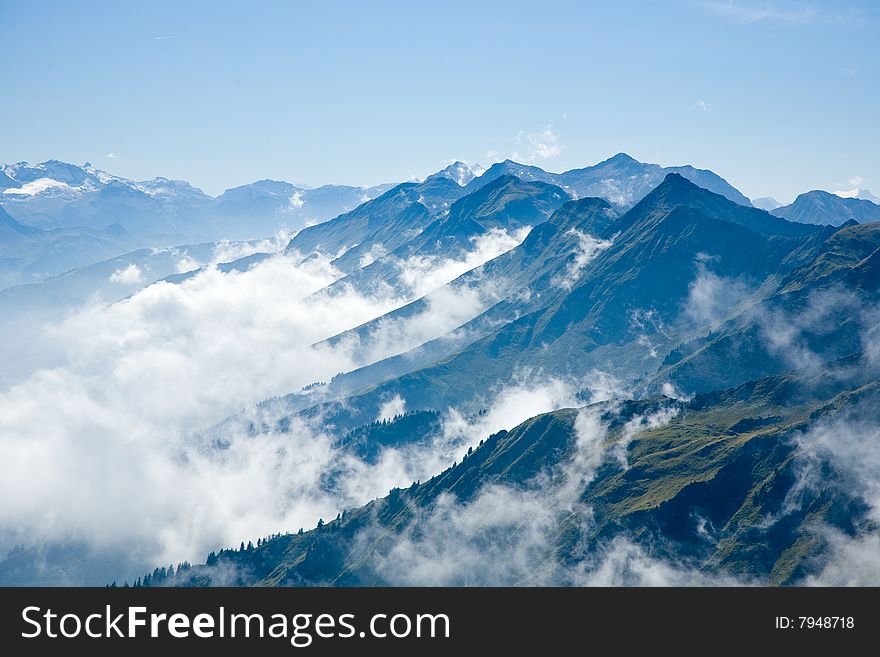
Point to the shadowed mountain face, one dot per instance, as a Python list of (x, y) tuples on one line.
[(358, 226), (818, 207), (529, 274), (398, 218), (820, 311), (503, 207), (625, 308)]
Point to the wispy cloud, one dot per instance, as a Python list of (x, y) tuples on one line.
[(541, 145), (506, 535), (531, 147), (587, 248), (788, 13), (701, 105), (131, 275), (753, 13), (111, 156), (296, 201), (162, 38)]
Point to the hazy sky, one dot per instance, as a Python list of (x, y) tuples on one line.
[(778, 97)]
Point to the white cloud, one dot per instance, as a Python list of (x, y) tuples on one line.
[(376, 251), (711, 298), (587, 248), (108, 444), (101, 446), (849, 446), (499, 537), (504, 534), (424, 273), (788, 333), (493, 156), (130, 275), (701, 105), (620, 450), (852, 562), (790, 12), (448, 302), (543, 145), (445, 310), (296, 201), (623, 563), (529, 393), (392, 408), (755, 13), (670, 390), (110, 156), (647, 321), (530, 147), (187, 263), (229, 251)]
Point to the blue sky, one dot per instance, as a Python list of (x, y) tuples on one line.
[(777, 97)]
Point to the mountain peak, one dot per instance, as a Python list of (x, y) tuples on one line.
[(504, 165), (460, 172), (623, 158), (820, 207), (767, 203), (509, 167), (619, 160), (676, 191), (677, 181), (509, 180), (858, 193), (591, 214)]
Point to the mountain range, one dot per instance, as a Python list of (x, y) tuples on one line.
[(818, 207), (55, 194), (702, 467), (705, 343), (859, 193)]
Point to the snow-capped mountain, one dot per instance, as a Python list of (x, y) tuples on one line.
[(55, 194), (767, 203), (621, 179), (54, 172), (461, 172), (863, 194)]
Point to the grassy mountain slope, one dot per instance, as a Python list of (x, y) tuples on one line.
[(718, 490)]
